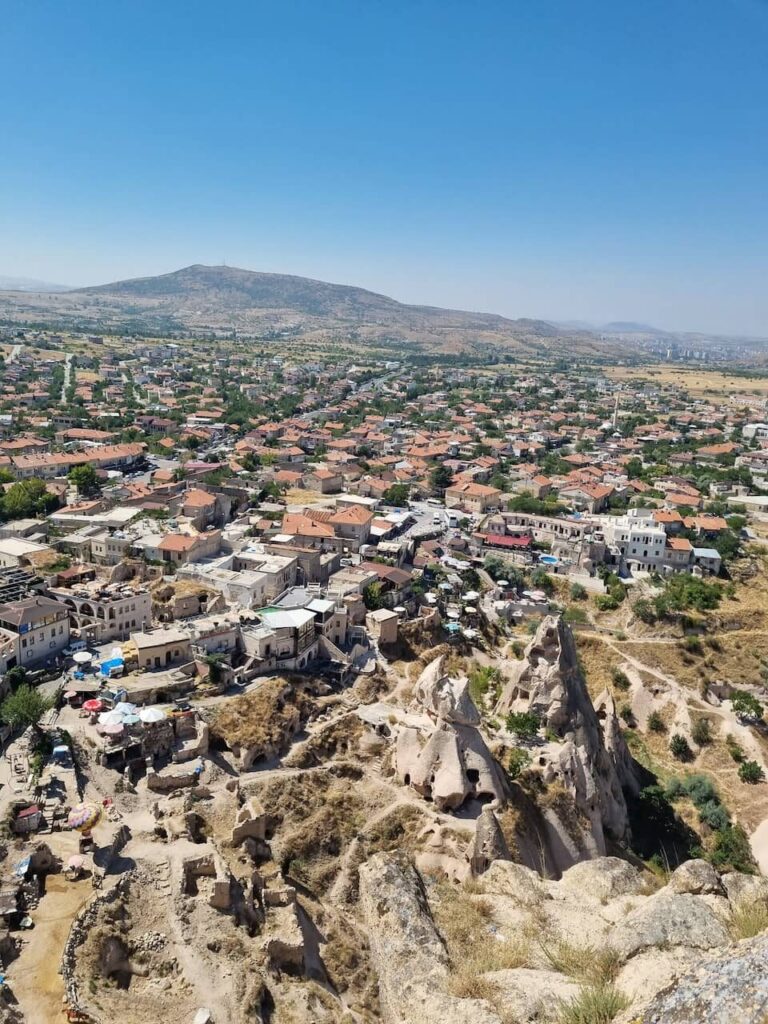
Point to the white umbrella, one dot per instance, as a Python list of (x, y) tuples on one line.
[(110, 718), (82, 657), (151, 714), (117, 652), (124, 708)]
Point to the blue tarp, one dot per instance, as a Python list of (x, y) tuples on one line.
[(107, 666)]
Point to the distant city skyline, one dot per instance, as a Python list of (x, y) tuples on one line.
[(566, 162)]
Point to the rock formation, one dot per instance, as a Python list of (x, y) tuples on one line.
[(449, 761), (589, 758)]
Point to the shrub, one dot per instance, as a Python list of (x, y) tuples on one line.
[(656, 722), (620, 679), (750, 771), (713, 814), (578, 592), (627, 715), (732, 850), (700, 789), (734, 748), (523, 723), (606, 603), (692, 644), (679, 748), (643, 609), (701, 733), (519, 760), (575, 615)]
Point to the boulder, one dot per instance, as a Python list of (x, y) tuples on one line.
[(529, 994), (731, 988), (695, 876), (407, 952), (741, 888), (604, 878), (665, 920)]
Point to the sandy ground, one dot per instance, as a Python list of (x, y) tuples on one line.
[(34, 977)]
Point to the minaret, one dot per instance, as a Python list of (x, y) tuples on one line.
[(615, 418)]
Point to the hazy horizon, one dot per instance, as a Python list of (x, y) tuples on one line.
[(558, 162)]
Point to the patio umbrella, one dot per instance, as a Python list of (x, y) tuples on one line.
[(124, 708), (113, 730), (110, 718), (131, 719), (93, 705), (75, 862), (70, 694), (82, 657), (151, 715), (83, 817)]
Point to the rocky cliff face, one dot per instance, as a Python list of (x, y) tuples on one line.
[(447, 761), (589, 757)]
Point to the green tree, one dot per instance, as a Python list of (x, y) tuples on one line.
[(746, 706), (680, 748), (372, 596), (440, 479), (397, 495), (24, 707), (84, 479)]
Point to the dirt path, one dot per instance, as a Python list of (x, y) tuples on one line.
[(34, 977)]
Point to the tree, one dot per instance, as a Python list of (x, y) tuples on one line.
[(397, 495), (750, 771), (24, 707), (15, 676), (440, 479), (372, 596), (701, 733), (746, 706), (85, 479), (680, 748)]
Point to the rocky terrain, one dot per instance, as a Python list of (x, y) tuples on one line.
[(378, 861)]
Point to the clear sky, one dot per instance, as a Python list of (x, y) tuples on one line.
[(595, 160)]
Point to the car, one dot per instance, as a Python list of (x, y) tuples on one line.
[(74, 646)]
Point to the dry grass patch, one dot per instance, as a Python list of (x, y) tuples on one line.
[(595, 1004), (748, 919), (591, 965)]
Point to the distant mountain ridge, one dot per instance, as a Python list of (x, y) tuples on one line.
[(232, 287), (29, 284), (222, 301)]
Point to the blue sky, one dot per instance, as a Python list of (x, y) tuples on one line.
[(551, 158)]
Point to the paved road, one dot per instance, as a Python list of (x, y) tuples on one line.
[(67, 375)]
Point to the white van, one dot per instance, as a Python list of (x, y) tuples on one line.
[(74, 646)]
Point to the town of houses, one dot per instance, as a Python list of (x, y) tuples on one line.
[(182, 501)]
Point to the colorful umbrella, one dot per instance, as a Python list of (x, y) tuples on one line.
[(83, 817), (75, 862), (82, 657), (113, 730), (93, 705)]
